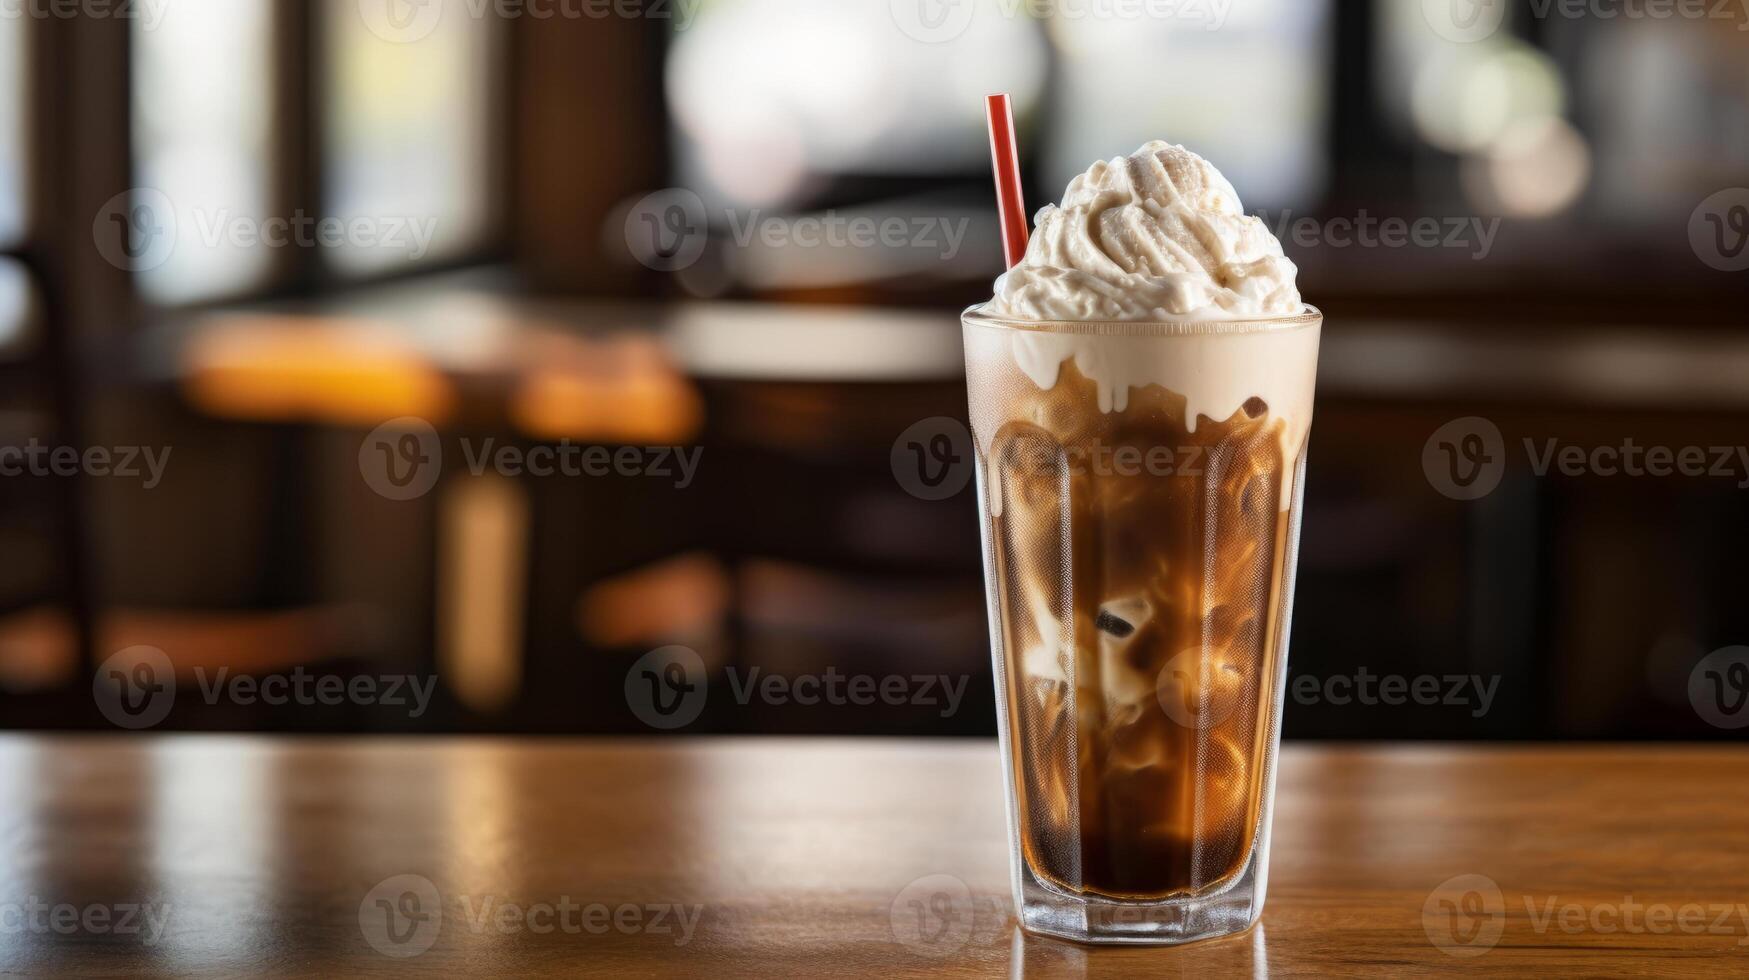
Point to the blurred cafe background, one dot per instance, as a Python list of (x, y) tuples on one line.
[(239, 236)]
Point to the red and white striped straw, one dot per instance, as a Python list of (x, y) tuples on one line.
[(1005, 159)]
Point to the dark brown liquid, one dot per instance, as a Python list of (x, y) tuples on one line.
[(1137, 572)]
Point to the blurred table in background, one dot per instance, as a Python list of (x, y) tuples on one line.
[(1587, 599), (784, 857)]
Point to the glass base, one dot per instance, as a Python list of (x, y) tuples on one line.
[(1091, 919)]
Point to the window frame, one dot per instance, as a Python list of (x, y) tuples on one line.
[(300, 80)]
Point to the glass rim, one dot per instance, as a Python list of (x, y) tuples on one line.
[(1307, 316)]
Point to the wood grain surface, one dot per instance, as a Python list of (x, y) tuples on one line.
[(782, 857)]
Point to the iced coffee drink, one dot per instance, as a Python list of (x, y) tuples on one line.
[(1141, 393)]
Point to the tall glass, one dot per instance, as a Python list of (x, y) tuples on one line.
[(1139, 493)]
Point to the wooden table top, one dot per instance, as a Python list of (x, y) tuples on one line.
[(219, 856)]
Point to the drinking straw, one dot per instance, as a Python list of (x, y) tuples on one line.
[(1005, 159)]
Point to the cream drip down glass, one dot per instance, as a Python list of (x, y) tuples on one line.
[(1140, 472)]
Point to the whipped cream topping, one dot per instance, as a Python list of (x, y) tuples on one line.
[(1156, 235)]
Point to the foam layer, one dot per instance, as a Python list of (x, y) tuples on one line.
[(1216, 371)]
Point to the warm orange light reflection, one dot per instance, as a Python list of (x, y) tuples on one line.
[(288, 368), (620, 389), (679, 599), (37, 649)]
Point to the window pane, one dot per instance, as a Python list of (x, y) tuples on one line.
[(202, 136), (408, 131), (1243, 96), (770, 95), (17, 310), (13, 67)]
